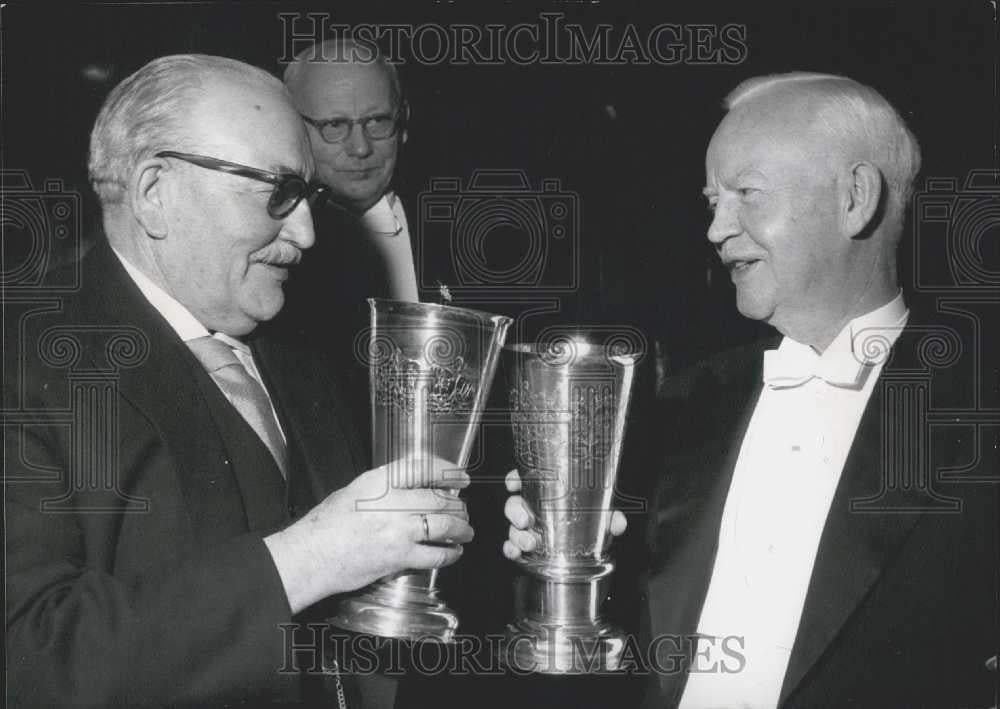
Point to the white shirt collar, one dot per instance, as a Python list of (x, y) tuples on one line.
[(869, 337), (863, 343), (381, 217), (177, 316)]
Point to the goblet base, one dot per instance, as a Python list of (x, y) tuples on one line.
[(394, 609), (565, 649)]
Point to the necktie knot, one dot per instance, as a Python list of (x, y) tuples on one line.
[(245, 393), (213, 354)]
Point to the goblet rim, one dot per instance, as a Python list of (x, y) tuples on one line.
[(583, 350), (453, 313)]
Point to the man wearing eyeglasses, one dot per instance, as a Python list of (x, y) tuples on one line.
[(167, 530), (351, 102)]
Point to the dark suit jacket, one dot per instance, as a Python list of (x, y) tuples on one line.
[(326, 300), (901, 609), (137, 500)]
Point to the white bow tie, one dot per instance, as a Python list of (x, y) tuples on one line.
[(788, 367)]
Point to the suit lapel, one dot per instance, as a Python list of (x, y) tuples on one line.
[(677, 589), (259, 480), (322, 446), (872, 513), (854, 548), (688, 508), (168, 390), (324, 455)]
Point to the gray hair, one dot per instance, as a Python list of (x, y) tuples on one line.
[(853, 114), (343, 50), (145, 114)]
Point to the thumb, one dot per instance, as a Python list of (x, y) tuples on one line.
[(430, 471)]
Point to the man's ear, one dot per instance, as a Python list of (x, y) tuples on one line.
[(862, 200), (146, 193)]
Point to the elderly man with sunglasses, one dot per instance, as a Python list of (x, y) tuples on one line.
[(169, 535)]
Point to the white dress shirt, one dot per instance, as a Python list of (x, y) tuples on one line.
[(188, 328), (785, 477), (386, 227)]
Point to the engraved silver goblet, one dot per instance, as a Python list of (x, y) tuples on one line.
[(568, 403), (430, 369)]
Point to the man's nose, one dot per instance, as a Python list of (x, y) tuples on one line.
[(725, 222), (298, 226), (356, 143)]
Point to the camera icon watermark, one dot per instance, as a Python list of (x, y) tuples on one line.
[(952, 227), (939, 427), (502, 236), (41, 229)]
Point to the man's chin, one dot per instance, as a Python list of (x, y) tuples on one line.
[(261, 309), (753, 307)]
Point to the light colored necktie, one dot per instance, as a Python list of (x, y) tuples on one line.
[(244, 392)]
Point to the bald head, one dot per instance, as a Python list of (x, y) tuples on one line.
[(329, 60), (341, 81), (150, 111), (853, 121)]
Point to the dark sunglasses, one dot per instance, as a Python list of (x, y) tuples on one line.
[(289, 188)]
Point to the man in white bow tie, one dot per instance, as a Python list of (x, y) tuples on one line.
[(807, 180), (782, 570), (351, 101)]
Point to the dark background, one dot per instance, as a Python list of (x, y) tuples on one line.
[(627, 141)]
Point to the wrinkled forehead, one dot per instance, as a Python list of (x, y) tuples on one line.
[(249, 122), (323, 89)]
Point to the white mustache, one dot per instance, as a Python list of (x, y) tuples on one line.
[(279, 253)]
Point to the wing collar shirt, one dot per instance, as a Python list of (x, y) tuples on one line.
[(785, 477), (386, 227), (188, 328)]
